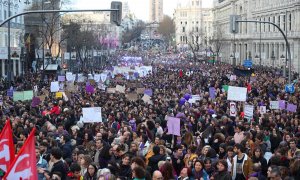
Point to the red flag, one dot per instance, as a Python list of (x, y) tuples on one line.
[(24, 165), (180, 73), (7, 150)]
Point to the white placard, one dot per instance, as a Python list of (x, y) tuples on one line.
[(120, 89), (262, 109), (232, 77), (81, 78), (54, 86), (91, 114), (69, 76), (274, 104), (97, 77), (233, 109), (237, 93), (35, 88), (248, 111), (194, 99), (146, 98)]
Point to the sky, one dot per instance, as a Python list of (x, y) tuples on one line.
[(139, 7)]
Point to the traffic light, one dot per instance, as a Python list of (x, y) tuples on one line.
[(234, 28), (116, 16)]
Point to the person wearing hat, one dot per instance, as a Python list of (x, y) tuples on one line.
[(222, 173)]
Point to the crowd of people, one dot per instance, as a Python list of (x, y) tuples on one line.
[(132, 141)]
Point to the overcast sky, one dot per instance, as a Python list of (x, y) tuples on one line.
[(139, 7)]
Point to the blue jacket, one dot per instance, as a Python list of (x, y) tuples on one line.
[(205, 176), (42, 163)]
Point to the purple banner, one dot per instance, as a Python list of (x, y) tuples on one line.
[(89, 89), (281, 104), (291, 108), (149, 92), (212, 92), (61, 78), (35, 101)]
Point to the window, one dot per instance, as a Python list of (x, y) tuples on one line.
[(269, 28), (192, 3), (278, 21), (197, 29), (183, 29), (274, 20), (185, 23), (290, 22), (284, 19), (5, 14)]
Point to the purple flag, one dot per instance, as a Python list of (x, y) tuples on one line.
[(89, 89), (149, 92), (61, 78), (173, 126), (281, 104), (10, 93), (136, 74), (212, 92), (35, 101), (291, 108), (190, 88)]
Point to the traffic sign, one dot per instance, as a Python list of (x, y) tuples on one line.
[(290, 88), (248, 63)]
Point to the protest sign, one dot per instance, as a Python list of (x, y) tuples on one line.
[(248, 110), (132, 96), (212, 92), (10, 92), (27, 95), (58, 95), (35, 101), (18, 96), (97, 77), (274, 104), (71, 87), (233, 111), (262, 109), (140, 90), (120, 89), (194, 98), (291, 108), (146, 98), (111, 90), (232, 77), (69, 76), (54, 86), (237, 93), (89, 89), (173, 125), (225, 88), (61, 78), (92, 114), (149, 92), (281, 104)]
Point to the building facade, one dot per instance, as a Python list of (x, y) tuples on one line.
[(156, 12), (16, 64), (193, 24), (261, 42)]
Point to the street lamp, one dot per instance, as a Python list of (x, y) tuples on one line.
[(43, 39), (283, 61)]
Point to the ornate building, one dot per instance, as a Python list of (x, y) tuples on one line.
[(193, 24), (156, 13), (261, 42)]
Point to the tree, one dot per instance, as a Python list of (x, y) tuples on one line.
[(194, 42), (47, 27), (217, 40), (82, 38), (167, 28), (132, 34)]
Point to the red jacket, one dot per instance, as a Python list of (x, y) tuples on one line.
[(55, 110)]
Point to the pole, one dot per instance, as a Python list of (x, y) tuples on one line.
[(288, 60), (43, 48), (260, 45), (9, 70), (284, 36), (234, 59)]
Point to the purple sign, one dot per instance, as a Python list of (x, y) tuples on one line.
[(291, 108), (136, 74), (35, 101), (10, 93), (281, 104), (89, 89), (173, 125), (148, 92), (212, 92), (61, 78)]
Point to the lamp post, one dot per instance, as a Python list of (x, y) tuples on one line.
[(43, 43)]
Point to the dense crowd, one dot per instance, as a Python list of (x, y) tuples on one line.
[(132, 141)]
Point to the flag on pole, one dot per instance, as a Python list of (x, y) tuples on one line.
[(24, 165), (7, 150)]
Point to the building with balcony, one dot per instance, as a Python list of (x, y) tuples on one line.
[(261, 42), (16, 38), (193, 24)]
